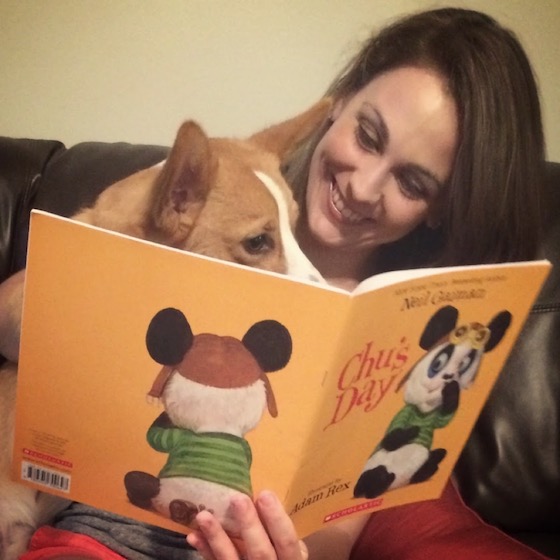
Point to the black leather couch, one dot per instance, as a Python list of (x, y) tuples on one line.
[(510, 470)]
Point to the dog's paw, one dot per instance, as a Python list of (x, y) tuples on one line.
[(14, 540)]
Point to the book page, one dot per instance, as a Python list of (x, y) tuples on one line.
[(396, 338), (85, 370)]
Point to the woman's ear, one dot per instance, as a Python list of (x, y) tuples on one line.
[(433, 220), (435, 211)]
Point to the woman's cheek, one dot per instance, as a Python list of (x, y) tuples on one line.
[(403, 214)]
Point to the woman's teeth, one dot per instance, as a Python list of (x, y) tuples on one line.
[(338, 202)]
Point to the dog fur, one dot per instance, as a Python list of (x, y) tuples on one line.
[(223, 198)]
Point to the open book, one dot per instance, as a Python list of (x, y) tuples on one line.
[(342, 403)]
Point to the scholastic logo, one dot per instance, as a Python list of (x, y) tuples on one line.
[(365, 506), (47, 458)]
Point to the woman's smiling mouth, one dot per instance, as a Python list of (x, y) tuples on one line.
[(339, 204)]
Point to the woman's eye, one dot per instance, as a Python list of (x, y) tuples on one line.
[(412, 188), (367, 137)]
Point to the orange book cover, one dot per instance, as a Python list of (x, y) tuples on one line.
[(154, 382)]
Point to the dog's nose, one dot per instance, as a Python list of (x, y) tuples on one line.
[(299, 266), (316, 278)]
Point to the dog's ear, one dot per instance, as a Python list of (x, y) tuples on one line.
[(183, 184), (442, 322), (279, 139)]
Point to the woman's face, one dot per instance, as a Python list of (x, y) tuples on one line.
[(379, 170)]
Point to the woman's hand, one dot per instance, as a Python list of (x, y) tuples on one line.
[(266, 532)]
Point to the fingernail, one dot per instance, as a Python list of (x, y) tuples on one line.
[(304, 551), (193, 539), (267, 498), (204, 519)]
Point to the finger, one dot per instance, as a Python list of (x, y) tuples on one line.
[(280, 528), (253, 533), (199, 542), (211, 540)]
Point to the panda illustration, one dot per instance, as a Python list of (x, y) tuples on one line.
[(214, 390), (432, 390)]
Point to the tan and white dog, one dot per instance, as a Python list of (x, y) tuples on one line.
[(219, 197), (224, 198)]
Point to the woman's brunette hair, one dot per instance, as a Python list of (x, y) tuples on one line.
[(491, 205)]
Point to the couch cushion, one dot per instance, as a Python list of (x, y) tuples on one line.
[(75, 177), (21, 163)]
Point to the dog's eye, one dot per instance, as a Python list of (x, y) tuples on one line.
[(258, 244)]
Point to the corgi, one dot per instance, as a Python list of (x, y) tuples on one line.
[(220, 197)]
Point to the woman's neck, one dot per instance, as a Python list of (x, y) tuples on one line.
[(342, 267)]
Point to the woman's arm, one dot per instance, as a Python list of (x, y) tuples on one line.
[(336, 541), (11, 300), (267, 532)]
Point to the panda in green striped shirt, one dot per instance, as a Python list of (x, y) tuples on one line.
[(214, 390)]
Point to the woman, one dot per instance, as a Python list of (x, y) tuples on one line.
[(433, 155)]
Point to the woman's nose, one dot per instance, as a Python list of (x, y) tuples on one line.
[(368, 183)]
